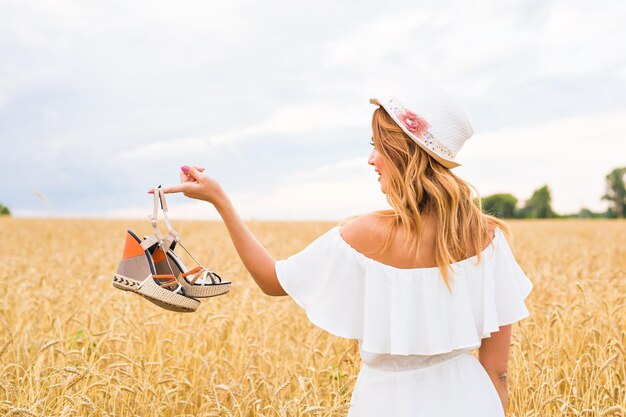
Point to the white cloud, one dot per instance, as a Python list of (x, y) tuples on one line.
[(308, 117), (473, 46), (174, 148), (575, 40), (590, 137)]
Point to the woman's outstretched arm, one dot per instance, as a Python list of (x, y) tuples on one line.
[(257, 260), (255, 257)]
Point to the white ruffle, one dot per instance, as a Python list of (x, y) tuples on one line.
[(405, 311)]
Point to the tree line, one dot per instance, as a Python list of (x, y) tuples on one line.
[(538, 206)]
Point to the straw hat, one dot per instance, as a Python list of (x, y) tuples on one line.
[(434, 120)]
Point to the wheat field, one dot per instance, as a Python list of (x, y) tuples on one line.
[(72, 345)]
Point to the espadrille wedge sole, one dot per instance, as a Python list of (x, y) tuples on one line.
[(136, 273), (156, 294)]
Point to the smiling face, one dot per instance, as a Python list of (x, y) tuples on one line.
[(376, 160)]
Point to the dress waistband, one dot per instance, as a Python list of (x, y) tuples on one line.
[(399, 363)]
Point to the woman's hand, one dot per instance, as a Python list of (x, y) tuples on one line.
[(195, 184), (257, 260)]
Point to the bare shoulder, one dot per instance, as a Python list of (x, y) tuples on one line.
[(363, 229)]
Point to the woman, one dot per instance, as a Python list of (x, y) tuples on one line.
[(418, 286)]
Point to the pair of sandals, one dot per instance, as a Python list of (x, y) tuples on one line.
[(152, 269)]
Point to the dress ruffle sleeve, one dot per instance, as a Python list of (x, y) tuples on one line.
[(405, 311), (324, 279), (506, 286)]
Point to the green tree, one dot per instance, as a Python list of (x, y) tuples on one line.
[(538, 205), (616, 192), (4, 210), (500, 205), (585, 213)]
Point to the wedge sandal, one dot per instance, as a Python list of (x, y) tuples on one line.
[(137, 273), (198, 282)]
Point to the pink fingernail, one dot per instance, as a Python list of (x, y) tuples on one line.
[(184, 168)]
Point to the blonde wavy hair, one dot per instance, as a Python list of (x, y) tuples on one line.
[(416, 184)]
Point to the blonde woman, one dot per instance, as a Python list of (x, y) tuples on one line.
[(419, 286)]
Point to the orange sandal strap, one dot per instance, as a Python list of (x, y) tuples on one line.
[(197, 272), (192, 271), (204, 273), (166, 280)]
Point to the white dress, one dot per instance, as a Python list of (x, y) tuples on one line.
[(414, 335)]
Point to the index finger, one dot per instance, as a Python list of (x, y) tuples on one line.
[(179, 188)]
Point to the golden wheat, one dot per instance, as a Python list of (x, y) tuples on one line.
[(72, 345)]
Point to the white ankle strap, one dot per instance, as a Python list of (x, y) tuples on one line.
[(165, 242)]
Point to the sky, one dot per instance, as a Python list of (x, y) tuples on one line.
[(100, 101)]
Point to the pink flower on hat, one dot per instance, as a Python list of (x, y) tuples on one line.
[(413, 122)]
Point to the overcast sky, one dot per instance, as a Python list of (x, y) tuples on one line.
[(100, 101)]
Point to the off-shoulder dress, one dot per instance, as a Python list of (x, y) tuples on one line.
[(414, 334)]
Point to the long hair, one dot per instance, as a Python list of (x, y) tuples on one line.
[(418, 184)]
